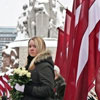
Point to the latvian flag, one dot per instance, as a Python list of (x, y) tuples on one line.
[(85, 60), (4, 85)]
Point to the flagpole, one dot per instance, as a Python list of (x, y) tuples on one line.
[(61, 4)]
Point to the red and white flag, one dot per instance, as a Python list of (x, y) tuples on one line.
[(69, 33), (63, 45), (85, 53), (4, 85), (97, 84), (58, 59)]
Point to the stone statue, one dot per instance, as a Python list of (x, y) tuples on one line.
[(22, 25), (31, 19), (9, 59)]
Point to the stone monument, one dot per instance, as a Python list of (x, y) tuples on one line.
[(39, 18)]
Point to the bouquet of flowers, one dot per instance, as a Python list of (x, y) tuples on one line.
[(0, 98), (20, 76)]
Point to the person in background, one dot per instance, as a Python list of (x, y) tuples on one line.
[(4, 97), (59, 86), (40, 64)]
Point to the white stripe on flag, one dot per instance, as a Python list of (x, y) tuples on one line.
[(2, 84), (99, 40), (5, 79), (8, 94), (94, 17), (77, 14)]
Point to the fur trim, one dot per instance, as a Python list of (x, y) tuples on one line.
[(42, 56)]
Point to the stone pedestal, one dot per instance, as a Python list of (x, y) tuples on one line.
[(23, 52)]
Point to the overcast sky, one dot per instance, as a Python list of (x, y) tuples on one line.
[(67, 3), (10, 10)]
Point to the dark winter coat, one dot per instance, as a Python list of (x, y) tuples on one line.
[(41, 87), (59, 88)]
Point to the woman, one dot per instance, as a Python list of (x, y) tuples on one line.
[(40, 64)]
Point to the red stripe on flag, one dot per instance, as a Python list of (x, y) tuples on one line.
[(59, 48), (88, 74), (97, 69), (69, 29), (61, 54), (4, 79), (81, 28)]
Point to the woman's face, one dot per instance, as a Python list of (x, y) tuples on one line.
[(32, 50)]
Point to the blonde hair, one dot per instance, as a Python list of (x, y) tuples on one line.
[(40, 46)]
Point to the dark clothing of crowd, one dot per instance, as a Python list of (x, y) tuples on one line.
[(59, 88)]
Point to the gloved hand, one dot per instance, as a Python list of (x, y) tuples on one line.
[(19, 87), (28, 89)]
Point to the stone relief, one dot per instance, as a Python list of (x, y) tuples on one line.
[(10, 59)]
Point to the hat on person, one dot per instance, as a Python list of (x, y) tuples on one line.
[(57, 69)]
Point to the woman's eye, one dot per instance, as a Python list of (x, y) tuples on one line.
[(34, 46), (29, 46)]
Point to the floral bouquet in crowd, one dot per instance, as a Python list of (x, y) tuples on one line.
[(20, 76), (0, 98)]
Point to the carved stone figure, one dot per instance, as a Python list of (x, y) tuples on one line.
[(22, 25), (9, 59)]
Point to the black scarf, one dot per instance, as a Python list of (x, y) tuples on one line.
[(29, 59)]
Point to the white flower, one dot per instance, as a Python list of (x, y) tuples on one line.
[(20, 76), (24, 72), (23, 68), (29, 74), (21, 71)]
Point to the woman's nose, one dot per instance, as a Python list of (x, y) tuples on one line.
[(32, 48)]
